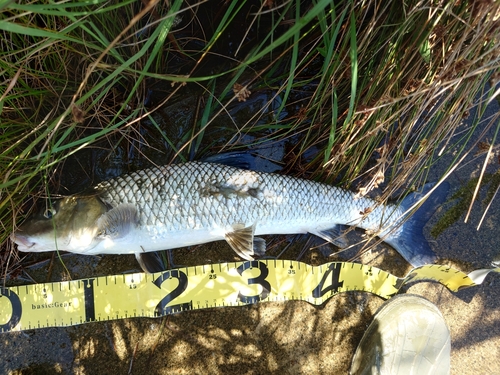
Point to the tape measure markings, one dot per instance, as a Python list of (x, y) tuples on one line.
[(216, 285), (449, 277)]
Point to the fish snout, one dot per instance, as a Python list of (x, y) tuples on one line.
[(23, 243)]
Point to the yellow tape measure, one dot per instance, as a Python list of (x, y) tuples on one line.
[(216, 285)]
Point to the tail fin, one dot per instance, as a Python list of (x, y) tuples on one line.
[(410, 241)]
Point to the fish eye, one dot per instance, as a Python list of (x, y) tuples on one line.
[(49, 213)]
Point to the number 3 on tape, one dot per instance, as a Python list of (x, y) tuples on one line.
[(260, 280)]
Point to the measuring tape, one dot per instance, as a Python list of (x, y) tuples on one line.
[(106, 298)]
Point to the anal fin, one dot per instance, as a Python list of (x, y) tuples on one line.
[(333, 235)]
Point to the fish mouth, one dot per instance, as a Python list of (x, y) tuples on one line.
[(23, 243)]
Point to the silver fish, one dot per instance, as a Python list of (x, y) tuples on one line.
[(193, 203)]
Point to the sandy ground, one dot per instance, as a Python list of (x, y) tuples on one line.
[(288, 338)]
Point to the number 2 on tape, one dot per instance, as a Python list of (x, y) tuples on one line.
[(162, 307)]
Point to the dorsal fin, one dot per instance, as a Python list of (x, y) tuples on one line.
[(237, 159)]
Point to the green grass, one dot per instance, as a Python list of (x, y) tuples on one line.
[(368, 92)]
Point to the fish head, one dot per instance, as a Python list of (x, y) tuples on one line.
[(68, 224)]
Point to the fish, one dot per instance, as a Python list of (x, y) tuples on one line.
[(173, 206)]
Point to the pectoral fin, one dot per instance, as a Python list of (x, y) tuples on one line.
[(242, 241), (118, 221), (151, 262), (333, 235)]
